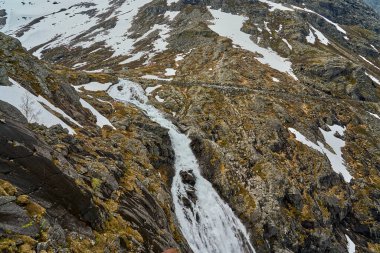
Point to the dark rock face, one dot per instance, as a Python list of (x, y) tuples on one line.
[(28, 163), (143, 211), (15, 219), (12, 112)]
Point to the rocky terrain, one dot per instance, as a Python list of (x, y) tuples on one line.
[(373, 3), (280, 100)]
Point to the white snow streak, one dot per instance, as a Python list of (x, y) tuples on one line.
[(336, 159), (100, 119), (350, 245)]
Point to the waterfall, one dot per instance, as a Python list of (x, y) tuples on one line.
[(207, 222)]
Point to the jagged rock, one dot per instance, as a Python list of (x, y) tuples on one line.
[(145, 212)]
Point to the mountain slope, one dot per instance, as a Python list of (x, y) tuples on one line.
[(61, 190), (374, 4), (280, 100)]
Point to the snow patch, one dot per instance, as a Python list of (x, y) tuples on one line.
[(320, 36), (276, 6), (179, 57), (374, 79), (93, 86), (100, 119), (16, 94), (337, 26), (375, 48), (229, 25), (336, 159), (149, 90), (171, 15), (154, 77), (266, 27), (310, 38), (288, 44), (170, 72), (62, 23), (374, 115), (365, 59), (79, 65), (279, 28), (350, 245), (161, 100)]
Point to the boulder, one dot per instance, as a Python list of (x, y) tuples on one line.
[(188, 177)]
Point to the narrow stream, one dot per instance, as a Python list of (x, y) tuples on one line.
[(206, 221)]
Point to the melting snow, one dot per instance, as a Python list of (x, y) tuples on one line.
[(171, 15), (15, 96), (179, 57), (276, 6), (369, 62), (320, 36), (229, 25), (275, 79), (93, 86), (170, 72), (95, 71), (336, 160), (288, 44), (106, 102), (134, 57), (100, 119), (161, 100), (149, 90), (65, 21), (266, 27), (154, 77), (350, 245), (279, 29), (79, 65), (374, 115), (338, 27), (375, 48), (169, 2), (311, 38), (374, 79)]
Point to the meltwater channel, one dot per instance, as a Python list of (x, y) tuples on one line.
[(207, 222)]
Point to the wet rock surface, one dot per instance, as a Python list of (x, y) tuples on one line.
[(188, 177)]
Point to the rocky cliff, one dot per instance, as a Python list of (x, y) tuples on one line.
[(280, 99)]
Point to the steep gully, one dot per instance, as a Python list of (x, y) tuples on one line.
[(207, 222)]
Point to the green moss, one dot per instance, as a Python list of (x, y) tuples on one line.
[(95, 183), (28, 224)]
